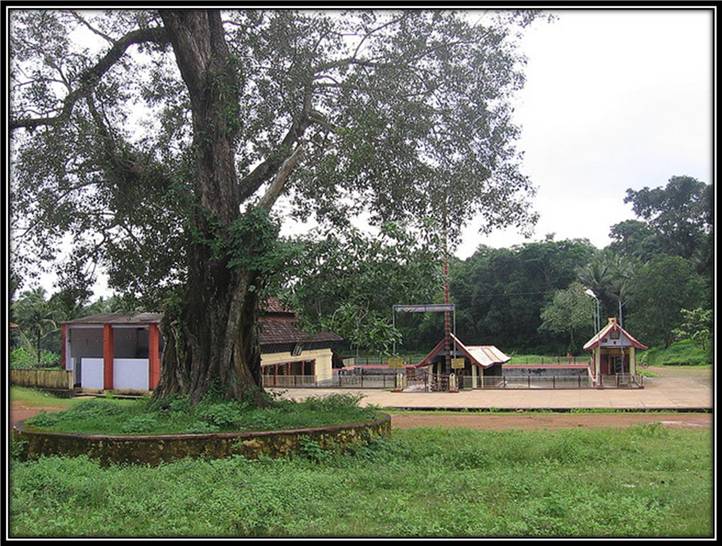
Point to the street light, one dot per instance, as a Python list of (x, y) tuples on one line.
[(597, 325)]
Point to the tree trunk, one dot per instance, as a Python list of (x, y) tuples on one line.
[(211, 337)]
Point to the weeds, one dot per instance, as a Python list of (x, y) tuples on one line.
[(637, 482), (212, 414)]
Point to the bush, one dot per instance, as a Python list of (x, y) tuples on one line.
[(140, 423), (221, 414), (24, 357)]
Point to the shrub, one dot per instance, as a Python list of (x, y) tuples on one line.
[(24, 357), (44, 420), (333, 402), (140, 423), (93, 408), (201, 427), (220, 414)]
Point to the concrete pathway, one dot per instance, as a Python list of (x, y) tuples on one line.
[(676, 388)]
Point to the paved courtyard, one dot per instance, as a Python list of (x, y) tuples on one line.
[(675, 388)]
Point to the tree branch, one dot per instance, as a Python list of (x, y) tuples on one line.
[(90, 77), (90, 27), (276, 187), (255, 179)]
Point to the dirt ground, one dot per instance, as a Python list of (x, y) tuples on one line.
[(549, 420), (18, 412)]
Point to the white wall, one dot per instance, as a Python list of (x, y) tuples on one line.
[(91, 370), (130, 373)]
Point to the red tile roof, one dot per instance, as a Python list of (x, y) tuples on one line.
[(285, 330)]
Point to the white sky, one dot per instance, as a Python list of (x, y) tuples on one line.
[(614, 99)]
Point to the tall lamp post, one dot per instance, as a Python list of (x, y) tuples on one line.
[(597, 325)]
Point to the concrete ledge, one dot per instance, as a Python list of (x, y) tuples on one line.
[(156, 449)]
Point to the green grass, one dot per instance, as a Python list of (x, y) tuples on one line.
[(36, 398), (546, 359), (684, 352), (147, 416), (640, 481)]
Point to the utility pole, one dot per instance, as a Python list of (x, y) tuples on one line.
[(447, 318)]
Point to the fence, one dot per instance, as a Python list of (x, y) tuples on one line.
[(349, 381), (440, 382), (437, 382), (43, 378), (534, 359), (621, 380)]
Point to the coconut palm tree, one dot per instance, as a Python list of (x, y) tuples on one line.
[(36, 317)]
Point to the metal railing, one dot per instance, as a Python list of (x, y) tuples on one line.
[(621, 380), (290, 381), (342, 381)]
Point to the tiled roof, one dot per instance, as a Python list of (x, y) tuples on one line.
[(284, 330)]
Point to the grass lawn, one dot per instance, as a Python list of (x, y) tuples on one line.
[(34, 398), (113, 416), (684, 352), (641, 481)]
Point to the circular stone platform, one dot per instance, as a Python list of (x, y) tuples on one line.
[(161, 448)]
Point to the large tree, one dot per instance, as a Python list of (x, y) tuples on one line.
[(159, 143), (662, 288), (568, 313), (679, 215)]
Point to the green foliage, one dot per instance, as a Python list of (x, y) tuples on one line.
[(313, 451), (347, 282), (376, 134), (500, 293), (26, 357), (37, 318), (176, 415), (140, 423), (680, 214), (662, 288), (680, 353), (568, 313), (696, 325), (474, 483)]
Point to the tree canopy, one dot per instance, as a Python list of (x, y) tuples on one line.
[(400, 114)]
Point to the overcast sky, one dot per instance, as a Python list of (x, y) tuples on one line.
[(613, 100)]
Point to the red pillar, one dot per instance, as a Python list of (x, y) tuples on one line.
[(153, 356), (107, 356), (63, 337)]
